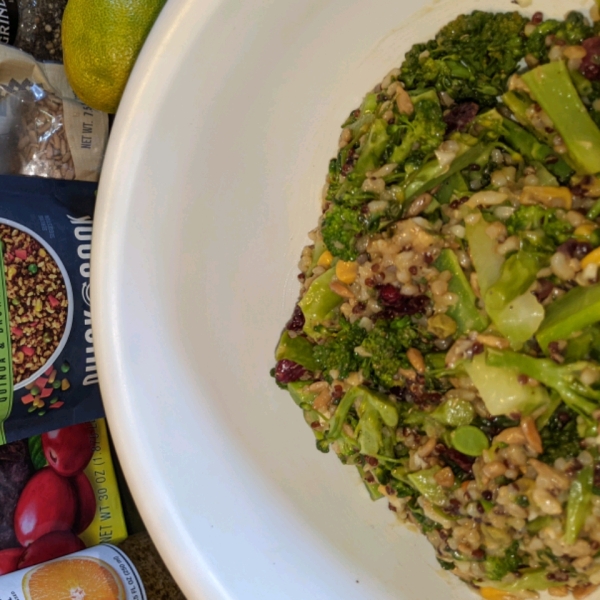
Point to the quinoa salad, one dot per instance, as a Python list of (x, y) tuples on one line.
[(37, 301), (446, 342)]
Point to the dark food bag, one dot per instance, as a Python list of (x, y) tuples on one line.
[(48, 377)]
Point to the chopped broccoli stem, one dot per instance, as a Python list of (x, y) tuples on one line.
[(500, 389), (372, 150), (298, 350), (526, 144), (565, 379), (432, 173), (516, 313), (318, 303), (465, 311), (553, 89), (577, 309), (578, 506)]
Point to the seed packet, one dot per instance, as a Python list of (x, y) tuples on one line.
[(48, 377), (44, 129), (58, 494)]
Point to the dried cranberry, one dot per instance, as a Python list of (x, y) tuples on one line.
[(287, 371), (460, 115), (456, 203), (544, 289), (575, 249), (372, 461), (590, 63), (478, 554), (477, 348), (398, 305), (359, 307), (296, 323), (450, 455), (389, 294), (487, 495), (537, 18), (338, 392), (392, 507)]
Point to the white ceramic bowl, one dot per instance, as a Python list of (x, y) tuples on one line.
[(211, 181)]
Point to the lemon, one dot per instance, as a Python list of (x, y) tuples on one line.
[(101, 41)]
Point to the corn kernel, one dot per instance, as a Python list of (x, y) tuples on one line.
[(593, 258), (12, 271), (346, 272), (553, 197), (490, 593), (585, 230), (325, 259)]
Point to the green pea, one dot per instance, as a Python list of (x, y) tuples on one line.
[(32, 268), (469, 440), (35, 390), (56, 384), (15, 302), (41, 413), (47, 338), (65, 367), (31, 409), (53, 400)]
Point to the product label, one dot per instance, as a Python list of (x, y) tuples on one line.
[(100, 572), (45, 318), (9, 21)]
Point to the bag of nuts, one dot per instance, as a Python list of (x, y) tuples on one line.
[(45, 130)]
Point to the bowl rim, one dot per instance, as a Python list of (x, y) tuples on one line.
[(163, 43)]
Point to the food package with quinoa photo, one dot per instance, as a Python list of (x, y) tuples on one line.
[(59, 495), (48, 376)]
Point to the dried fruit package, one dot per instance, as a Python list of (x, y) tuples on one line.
[(44, 130), (58, 494), (48, 376)]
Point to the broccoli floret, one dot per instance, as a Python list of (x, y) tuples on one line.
[(337, 352), (496, 567), (387, 344), (539, 228), (340, 229), (559, 436), (418, 136), (471, 58), (573, 30)]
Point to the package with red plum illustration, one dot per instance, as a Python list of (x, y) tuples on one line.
[(58, 494), (48, 377)]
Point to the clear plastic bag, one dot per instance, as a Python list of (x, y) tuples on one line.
[(44, 130)]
